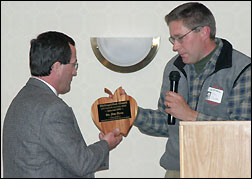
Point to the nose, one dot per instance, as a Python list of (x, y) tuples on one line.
[(74, 72), (175, 46)]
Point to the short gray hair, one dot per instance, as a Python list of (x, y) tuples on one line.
[(193, 15)]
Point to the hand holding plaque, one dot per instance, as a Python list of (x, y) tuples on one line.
[(117, 111)]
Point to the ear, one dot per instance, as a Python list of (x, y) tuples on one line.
[(56, 66), (205, 32)]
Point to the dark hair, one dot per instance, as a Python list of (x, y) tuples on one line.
[(193, 14), (48, 48)]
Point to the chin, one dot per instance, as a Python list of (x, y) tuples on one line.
[(187, 61), (65, 91)]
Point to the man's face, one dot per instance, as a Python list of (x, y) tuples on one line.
[(190, 47), (67, 73)]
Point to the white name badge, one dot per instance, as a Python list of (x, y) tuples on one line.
[(214, 95)]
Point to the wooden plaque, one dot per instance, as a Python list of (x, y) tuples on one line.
[(117, 111)]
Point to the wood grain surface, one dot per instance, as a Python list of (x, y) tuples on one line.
[(215, 149), (123, 124)]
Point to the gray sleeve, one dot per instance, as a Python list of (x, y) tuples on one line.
[(61, 137)]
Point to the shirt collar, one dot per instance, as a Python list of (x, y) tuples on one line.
[(223, 59), (50, 86)]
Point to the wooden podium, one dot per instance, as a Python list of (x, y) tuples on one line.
[(215, 149)]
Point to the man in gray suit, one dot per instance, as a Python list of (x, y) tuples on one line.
[(41, 137)]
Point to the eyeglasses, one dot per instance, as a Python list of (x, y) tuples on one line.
[(75, 65), (180, 39)]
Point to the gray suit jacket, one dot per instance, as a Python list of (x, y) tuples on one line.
[(41, 138)]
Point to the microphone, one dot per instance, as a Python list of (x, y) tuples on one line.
[(174, 79)]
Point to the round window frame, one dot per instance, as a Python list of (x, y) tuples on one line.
[(126, 69)]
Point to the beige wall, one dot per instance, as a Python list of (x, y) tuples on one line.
[(138, 155)]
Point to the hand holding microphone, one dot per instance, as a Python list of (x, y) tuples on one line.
[(177, 106), (174, 79)]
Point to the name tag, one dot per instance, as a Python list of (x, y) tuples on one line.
[(214, 95)]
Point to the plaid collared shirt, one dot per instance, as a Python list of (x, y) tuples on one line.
[(153, 122), (239, 103)]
